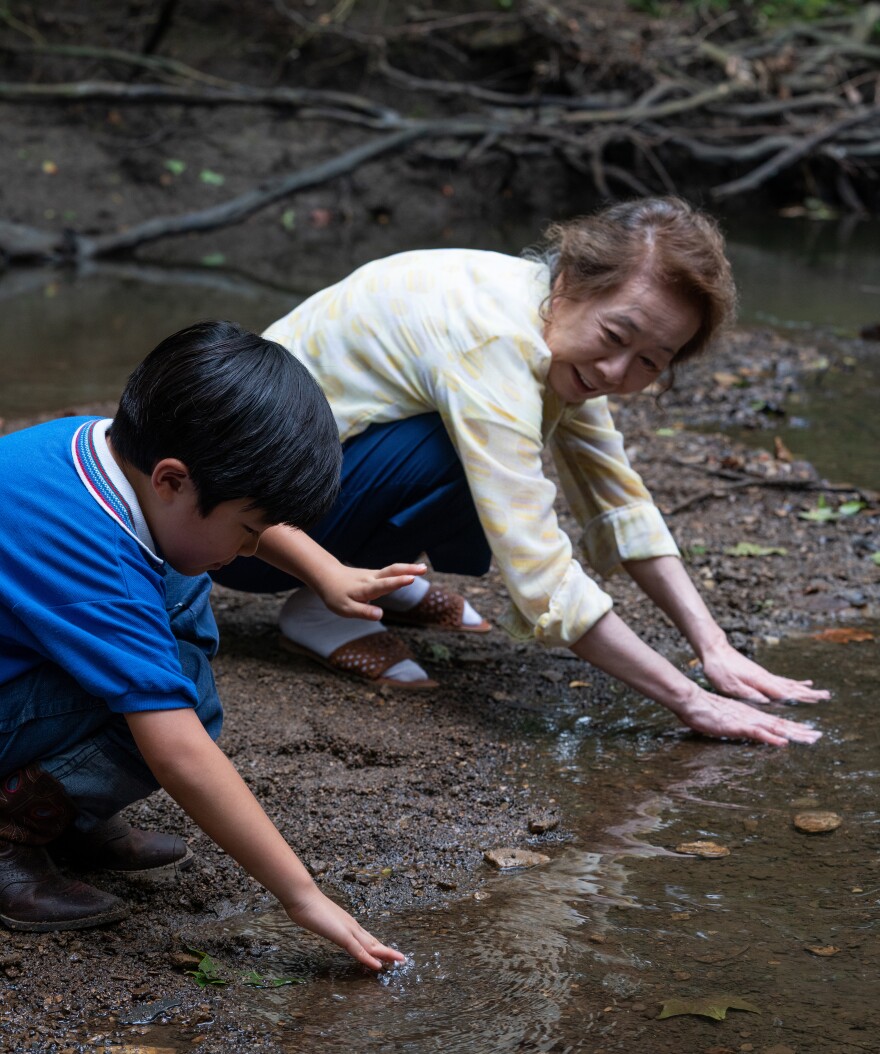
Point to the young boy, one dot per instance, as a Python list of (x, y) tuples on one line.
[(106, 634)]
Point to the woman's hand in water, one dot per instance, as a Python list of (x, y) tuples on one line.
[(733, 674), (713, 715)]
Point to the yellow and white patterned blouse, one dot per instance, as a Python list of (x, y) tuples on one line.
[(459, 332)]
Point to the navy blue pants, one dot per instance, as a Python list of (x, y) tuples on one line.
[(403, 493)]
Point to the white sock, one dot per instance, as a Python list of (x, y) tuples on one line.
[(307, 621), (408, 596)]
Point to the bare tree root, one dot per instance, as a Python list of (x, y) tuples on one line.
[(633, 113)]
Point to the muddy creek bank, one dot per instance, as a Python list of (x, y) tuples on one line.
[(391, 800)]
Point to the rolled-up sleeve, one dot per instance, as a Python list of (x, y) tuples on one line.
[(607, 496)]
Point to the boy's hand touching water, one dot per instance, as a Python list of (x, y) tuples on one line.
[(316, 912), (204, 782)]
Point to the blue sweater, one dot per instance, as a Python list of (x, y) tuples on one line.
[(76, 588)]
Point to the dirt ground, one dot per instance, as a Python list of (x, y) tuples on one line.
[(392, 798)]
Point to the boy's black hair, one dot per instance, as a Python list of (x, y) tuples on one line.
[(245, 417)]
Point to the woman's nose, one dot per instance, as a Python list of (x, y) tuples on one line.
[(612, 369)]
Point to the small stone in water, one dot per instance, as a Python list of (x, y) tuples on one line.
[(815, 821), (708, 850), (542, 824), (505, 859)]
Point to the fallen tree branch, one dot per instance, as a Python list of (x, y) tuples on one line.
[(787, 157), (238, 209), (744, 484), (338, 103)]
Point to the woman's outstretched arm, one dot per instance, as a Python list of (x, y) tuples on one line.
[(612, 646), (665, 580)]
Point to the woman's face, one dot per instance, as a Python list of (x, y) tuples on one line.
[(618, 342)]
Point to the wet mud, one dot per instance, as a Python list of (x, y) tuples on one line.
[(392, 800)]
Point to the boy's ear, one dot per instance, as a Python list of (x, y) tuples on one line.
[(170, 479)]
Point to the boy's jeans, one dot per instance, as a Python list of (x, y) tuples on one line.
[(75, 737)]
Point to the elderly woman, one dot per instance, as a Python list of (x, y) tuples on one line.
[(449, 372)]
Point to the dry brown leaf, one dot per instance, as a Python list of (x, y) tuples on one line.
[(826, 949), (844, 635), (781, 450)]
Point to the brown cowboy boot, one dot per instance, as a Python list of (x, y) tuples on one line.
[(118, 847), (34, 895)]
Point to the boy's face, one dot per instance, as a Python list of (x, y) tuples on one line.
[(194, 544)]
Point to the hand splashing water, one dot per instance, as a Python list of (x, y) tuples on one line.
[(397, 974)]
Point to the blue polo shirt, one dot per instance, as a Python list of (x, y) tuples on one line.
[(81, 584)]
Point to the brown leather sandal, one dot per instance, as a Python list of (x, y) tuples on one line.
[(366, 658), (439, 608)]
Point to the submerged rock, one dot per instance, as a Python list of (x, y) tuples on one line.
[(708, 850), (816, 821), (506, 859)]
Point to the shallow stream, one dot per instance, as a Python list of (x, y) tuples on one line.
[(580, 954)]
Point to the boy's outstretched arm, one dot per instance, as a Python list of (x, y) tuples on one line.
[(345, 590), (203, 781)]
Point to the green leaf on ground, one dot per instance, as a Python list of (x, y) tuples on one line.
[(288, 219), (821, 514), (213, 179), (436, 652), (175, 166), (752, 549), (876, 558), (665, 432), (824, 513), (714, 1006), (213, 260), (850, 508), (255, 980), (207, 972)]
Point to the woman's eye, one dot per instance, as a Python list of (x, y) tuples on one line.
[(613, 337), (649, 364)]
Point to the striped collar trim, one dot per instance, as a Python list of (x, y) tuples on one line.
[(106, 483)]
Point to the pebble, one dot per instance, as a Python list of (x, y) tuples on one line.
[(506, 858), (542, 824), (815, 821), (707, 850)]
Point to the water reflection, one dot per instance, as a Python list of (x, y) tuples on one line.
[(579, 954), (71, 339)]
